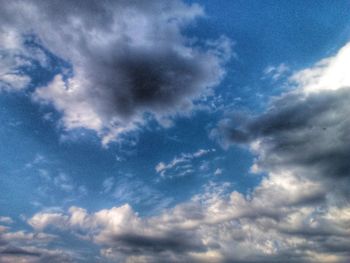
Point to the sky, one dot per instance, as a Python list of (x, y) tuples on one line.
[(174, 131)]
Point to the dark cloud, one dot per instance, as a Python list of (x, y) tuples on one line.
[(14, 251), (30, 253), (175, 242), (152, 80), (306, 133), (21, 246), (129, 58)]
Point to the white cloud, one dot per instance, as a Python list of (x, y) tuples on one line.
[(11, 78), (31, 247), (328, 74), (281, 220), (41, 220), (218, 172), (276, 72), (181, 165), (6, 220)]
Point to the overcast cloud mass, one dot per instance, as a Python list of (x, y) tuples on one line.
[(137, 131)]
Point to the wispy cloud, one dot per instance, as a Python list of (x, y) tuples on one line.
[(6, 220), (276, 72), (181, 165)]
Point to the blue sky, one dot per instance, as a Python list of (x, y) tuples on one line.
[(136, 132)]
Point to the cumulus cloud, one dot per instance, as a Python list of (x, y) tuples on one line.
[(285, 219), (28, 247), (305, 130), (127, 61)]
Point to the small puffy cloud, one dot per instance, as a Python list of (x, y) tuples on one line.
[(218, 172)]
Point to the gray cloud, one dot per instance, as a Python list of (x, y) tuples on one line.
[(19, 252), (308, 134), (305, 131), (126, 60), (177, 242), (276, 223), (27, 247)]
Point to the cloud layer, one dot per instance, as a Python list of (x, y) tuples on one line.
[(126, 61), (300, 212), (286, 219), (29, 247)]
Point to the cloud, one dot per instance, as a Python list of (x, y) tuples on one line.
[(11, 78), (53, 179), (328, 74), (6, 220), (135, 191), (218, 172), (305, 130), (35, 255), (276, 72), (298, 213), (41, 220), (108, 184), (181, 165), (61, 183), (126, 61), (285, 219), (27, 247)]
